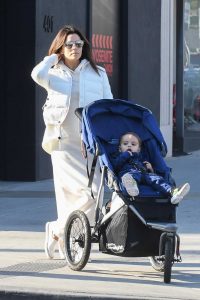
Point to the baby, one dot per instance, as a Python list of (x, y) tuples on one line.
[(129, 166)]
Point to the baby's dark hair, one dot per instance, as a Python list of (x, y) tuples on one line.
[(133, 134)]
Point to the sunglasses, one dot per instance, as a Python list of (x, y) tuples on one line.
[(78, 44)]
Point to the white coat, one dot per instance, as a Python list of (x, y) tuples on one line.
[(56, 78)]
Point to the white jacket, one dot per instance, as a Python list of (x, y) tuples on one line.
[(56, 78)]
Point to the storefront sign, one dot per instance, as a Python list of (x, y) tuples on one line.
[(105, 33)]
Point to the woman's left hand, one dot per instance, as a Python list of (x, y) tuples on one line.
[(83, 149)]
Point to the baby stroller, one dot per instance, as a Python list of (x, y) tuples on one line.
[(144, 226)]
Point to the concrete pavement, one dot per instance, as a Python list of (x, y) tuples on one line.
[(25, 273)]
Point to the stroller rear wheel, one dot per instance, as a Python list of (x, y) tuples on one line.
[(157, 264), (77, 240)]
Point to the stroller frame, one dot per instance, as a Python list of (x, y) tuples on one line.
[(78, 235)]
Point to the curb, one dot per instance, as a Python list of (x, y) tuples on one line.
[(20, 295)]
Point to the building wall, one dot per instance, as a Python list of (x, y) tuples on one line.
[(17, 124), (27, 28), (150, 55), (135, 30), (2, 91), (166, 73), (143, 52)]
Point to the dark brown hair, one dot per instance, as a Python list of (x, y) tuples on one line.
[(61, 37)]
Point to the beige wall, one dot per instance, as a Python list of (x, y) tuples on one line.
[(167, 71)]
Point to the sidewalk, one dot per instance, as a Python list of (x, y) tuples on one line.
[(26, 273)]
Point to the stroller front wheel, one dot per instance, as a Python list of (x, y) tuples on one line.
[(169, 259), (77, 240)]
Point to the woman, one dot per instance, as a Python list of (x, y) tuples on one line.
[(71, 80)]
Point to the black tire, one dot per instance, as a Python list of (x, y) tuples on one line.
[(156, 264), (169, 256), (77, 240)]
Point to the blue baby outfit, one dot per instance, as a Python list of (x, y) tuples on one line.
[(125, 162)]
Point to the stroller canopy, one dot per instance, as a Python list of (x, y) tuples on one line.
[(104, 121)]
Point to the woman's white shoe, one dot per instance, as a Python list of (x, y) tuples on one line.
[(50, 242)]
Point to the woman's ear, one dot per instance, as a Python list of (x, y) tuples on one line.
[(119, 149)]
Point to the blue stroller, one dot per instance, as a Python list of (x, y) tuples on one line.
[(144, 226)]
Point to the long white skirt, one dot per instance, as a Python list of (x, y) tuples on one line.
[(71, 185)]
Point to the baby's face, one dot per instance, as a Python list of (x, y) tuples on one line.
[(129, 143)]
